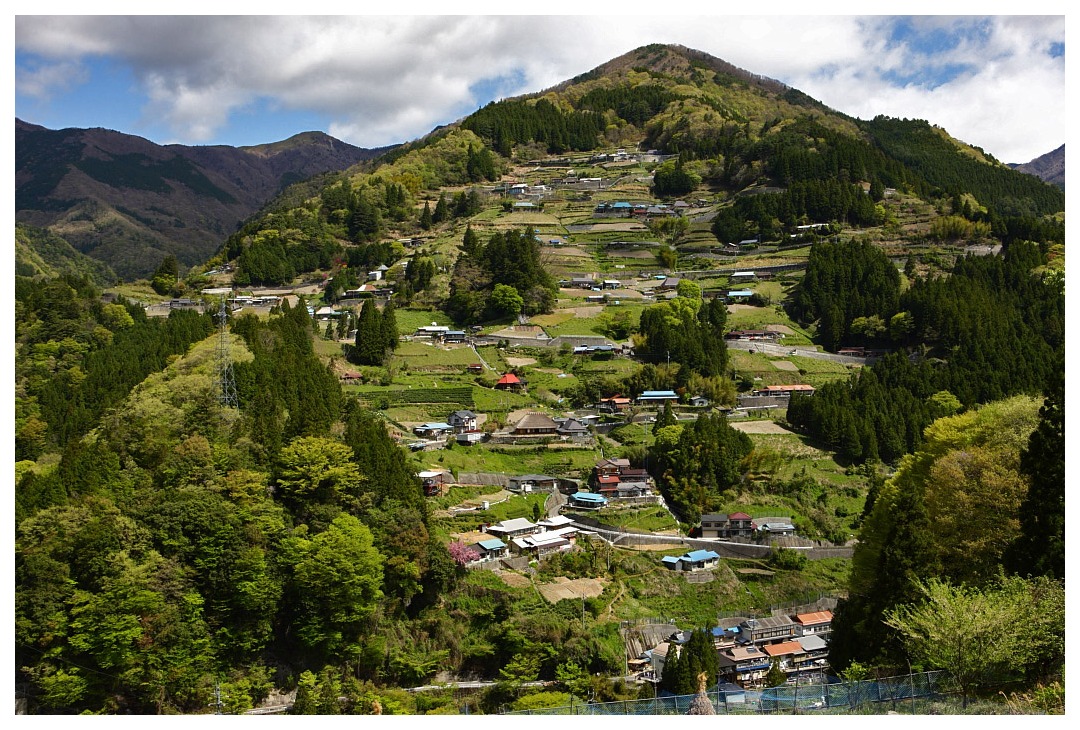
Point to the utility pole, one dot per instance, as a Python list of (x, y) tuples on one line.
[(911, 685), (795, 704), (226, 382)]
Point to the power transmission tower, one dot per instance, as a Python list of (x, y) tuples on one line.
[(225, 381)]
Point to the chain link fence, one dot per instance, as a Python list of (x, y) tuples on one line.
[(836, 698)]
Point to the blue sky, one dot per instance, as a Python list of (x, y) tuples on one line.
[(993, 81)]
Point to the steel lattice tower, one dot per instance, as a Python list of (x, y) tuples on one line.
[(225, 380)]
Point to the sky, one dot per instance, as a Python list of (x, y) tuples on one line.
[(996, 81)]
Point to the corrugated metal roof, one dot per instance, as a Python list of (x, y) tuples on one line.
[(518, 523), (812, 642), (784, 647), (817, 617)]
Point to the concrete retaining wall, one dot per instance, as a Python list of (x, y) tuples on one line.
[(809, 548)]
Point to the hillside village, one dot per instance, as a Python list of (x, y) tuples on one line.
[(456, 397), (510, 425), (463, 393)]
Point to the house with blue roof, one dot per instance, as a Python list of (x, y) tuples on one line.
[(657, 396), (587, 500), (692, 561), (492, 549), (432, 430)]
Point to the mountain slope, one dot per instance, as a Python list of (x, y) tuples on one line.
[(129, 202), (735, 134), (39, 252), (1049, 167), (742, 130)]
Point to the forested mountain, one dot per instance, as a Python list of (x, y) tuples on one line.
[(39, 252), (128, 202), (779, 157)]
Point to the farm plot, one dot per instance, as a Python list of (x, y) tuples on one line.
[(420, 356), (759, 427), (563, 588)]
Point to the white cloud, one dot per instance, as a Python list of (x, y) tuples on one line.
[(43, 81), (382, 80)]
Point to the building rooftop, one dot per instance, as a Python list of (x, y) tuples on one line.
[(817, 617), (518, 523), (812, 642), (783, 648), (589, 497)]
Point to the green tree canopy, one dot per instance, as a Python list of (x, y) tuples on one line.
[(338, 581), (971, 632)]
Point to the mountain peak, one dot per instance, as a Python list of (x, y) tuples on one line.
[(676, 61)]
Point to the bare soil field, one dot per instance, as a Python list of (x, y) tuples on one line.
[(518, 362), (584, 312), (785, 365), (564, 588), (622, 226), (520, 330), (630, 254), (570, 252), (514, 580), (759, 427)]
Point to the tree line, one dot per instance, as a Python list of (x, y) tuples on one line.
[(182, 544), (501, 278), (993, 328)]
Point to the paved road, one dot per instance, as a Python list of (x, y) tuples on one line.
[(769, 348), (555, 502)]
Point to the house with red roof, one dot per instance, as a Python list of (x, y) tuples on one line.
[(509, 381), (614, 404), (816, 623)]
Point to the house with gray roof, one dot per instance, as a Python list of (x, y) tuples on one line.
[(462, 421), (535, 424), (532, 483), (768, 629), (512, 528)]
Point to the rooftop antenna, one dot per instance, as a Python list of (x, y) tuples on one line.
[(226, 382)]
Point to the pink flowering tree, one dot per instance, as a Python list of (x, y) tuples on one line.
[(462, 553)]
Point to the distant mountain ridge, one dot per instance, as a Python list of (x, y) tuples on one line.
[(1049, 167), (129, 202)]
